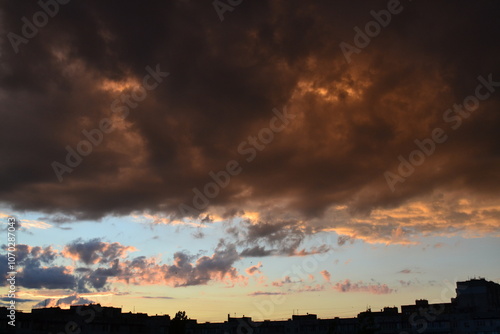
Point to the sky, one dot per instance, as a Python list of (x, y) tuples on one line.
[(267, 157)]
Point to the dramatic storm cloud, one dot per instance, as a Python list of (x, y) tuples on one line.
[(282, 130), (181, 154), (347, 122)]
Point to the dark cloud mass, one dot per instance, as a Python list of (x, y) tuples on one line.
[(282, 238), (350, 121), (49, 278), (40, 268), (95, 251)]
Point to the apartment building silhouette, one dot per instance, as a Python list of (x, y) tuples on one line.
[(474, 310)]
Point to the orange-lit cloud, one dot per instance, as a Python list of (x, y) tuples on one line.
[(326, 275), (108, 263), (252, 270), (28, 224), (349, 124), (182, 272), (96, 251)]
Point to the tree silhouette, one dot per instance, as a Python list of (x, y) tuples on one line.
[(178, 323)]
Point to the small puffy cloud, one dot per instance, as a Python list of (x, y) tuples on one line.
[(252, 270), (405, 283), (326, 275), (256, 251), (314, 250), (348, 286), (342, 239), (281, 282), (198, 234), (312, 288), (265, 293)]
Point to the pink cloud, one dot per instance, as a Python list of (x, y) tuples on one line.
[(315, 250), (326, 275), (183, 272), (252, 270), (282, 282), (264, 293), (348, 286)]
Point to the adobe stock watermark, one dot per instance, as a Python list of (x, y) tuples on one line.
[(249, 149), (372, 29), (120, 106), (30, 28), (11, 270), (221, 7), (427, 146)]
